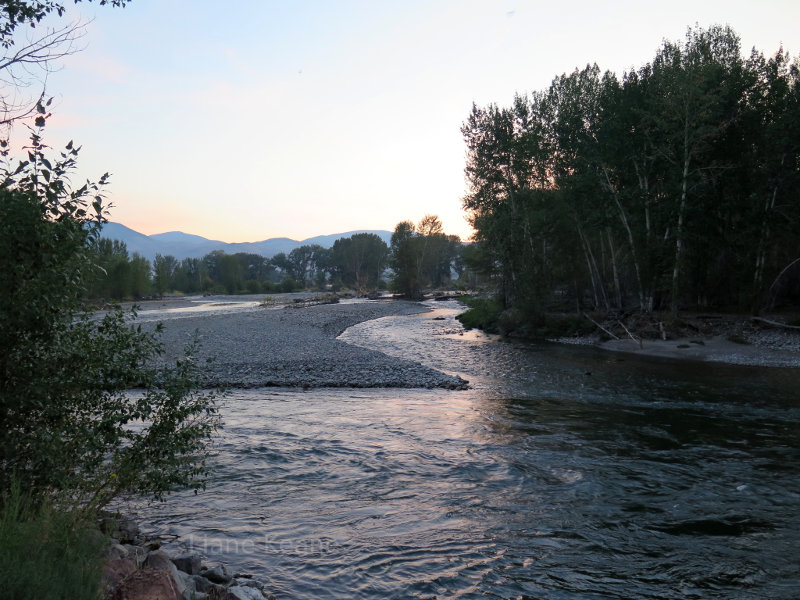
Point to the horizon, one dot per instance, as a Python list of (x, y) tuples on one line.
[(215, 239), (319, 116)]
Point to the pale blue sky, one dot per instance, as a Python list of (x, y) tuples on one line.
[(247, 120)]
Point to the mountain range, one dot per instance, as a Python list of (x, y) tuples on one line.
[(185, 245)]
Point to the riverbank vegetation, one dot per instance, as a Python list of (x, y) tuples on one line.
[(47, 553), (72, 435), (674, 186), (66, 412), (423, 257)]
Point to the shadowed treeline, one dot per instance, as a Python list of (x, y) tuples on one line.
[(673, 186)]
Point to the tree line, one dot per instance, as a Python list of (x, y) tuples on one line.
[(421, 256), (356, 261), (676, 185)]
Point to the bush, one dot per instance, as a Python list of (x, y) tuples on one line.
[(483, 313), (70, 431), (288, 285), (737, 338), (567, 326)]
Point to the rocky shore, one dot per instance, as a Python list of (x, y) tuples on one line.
[(136, 568), (297, 347)]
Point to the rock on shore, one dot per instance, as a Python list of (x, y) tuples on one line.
[(297, 347), (139, 569)]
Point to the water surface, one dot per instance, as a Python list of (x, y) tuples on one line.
[(563, 473)]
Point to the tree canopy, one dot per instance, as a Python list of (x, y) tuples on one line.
[(422, 256), (674, 185)]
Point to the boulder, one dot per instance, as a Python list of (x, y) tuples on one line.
[(161, 561), (148, 584), (219, 574), (244, 593), (137, 553), (124, 529), (115, 570), (128, 530), (187, 585), (188, 563), (204, 586), (115, 550)]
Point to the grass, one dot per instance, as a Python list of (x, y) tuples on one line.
[(45, 553)]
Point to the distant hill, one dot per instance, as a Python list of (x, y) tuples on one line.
[(184, 245)]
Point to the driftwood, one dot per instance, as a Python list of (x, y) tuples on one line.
[(641, 345), (600, 326), (775, 323)]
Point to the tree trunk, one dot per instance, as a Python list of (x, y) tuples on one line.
[(624, 218), (681, 215), (617, 290), (594, 273), (761, 252)]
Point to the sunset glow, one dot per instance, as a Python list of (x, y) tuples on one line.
[(269, 119)]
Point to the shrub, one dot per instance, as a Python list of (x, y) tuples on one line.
[(567, 326), (69, 429), (483, 313), (737, 338), (288, 285)]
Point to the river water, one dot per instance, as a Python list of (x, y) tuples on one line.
[(564, 472)]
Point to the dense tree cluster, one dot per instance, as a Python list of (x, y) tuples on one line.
[(674, 185), (358, 261), (423, 256)]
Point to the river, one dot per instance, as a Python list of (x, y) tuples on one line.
[(564, 472)]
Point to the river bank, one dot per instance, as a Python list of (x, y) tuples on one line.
[(704, 338), (137, 568)]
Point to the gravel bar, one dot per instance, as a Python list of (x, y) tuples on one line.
[(297, 347)]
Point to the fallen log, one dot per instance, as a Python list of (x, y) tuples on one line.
[(641, 344), (600, 326), (775, 323)]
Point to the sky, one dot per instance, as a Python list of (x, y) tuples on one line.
[(241, 121)]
